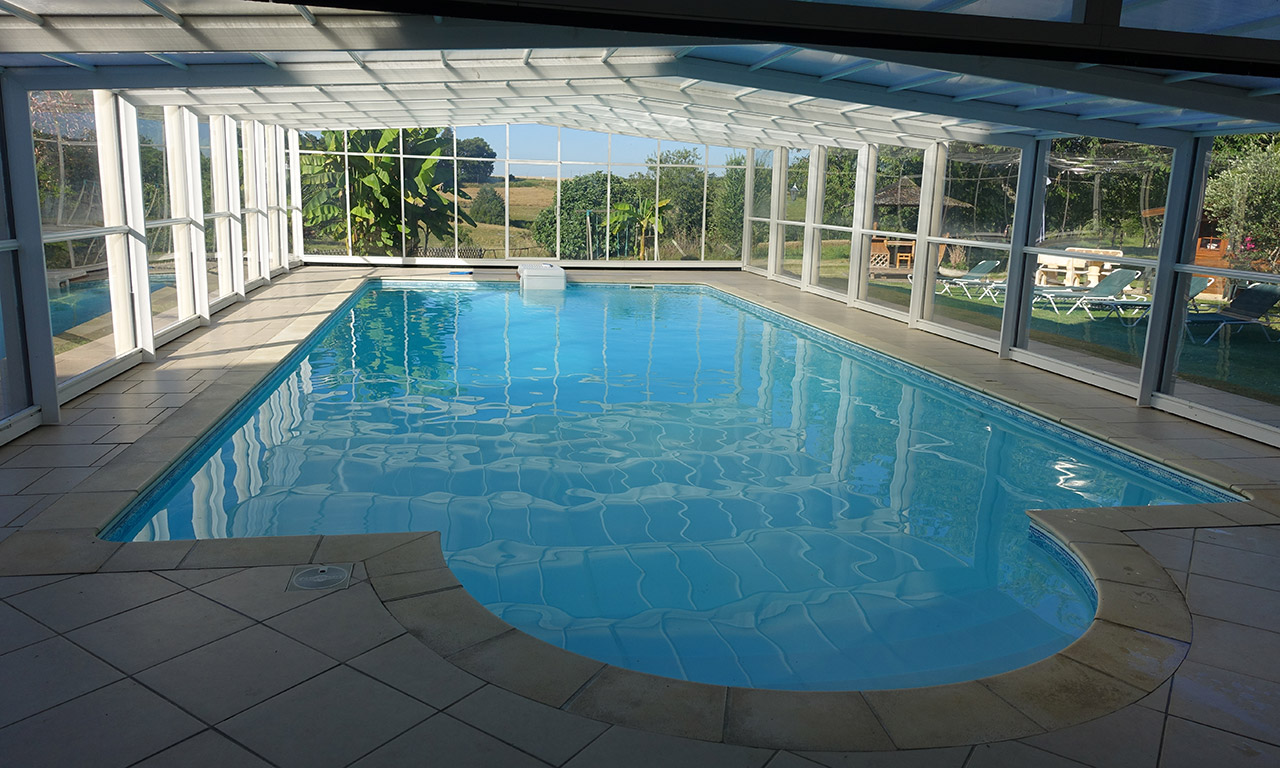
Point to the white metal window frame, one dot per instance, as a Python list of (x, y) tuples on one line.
[(507, 159)]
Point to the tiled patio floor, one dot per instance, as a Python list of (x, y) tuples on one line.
[(176, 654)]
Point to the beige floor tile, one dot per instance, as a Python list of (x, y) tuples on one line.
[(46, 674), (72, 603), (545, 732), (628, 748)]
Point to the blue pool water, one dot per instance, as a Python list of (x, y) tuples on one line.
[(673, 481)]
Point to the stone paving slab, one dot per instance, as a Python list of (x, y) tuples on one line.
[(539, 708)]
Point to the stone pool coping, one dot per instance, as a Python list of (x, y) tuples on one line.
[(1140, 635)]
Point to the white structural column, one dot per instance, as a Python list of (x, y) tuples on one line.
[(175, 143), (24, 203), (190, 135), (748, 200), (250, 213), (278, 232), (295, 199), (111, 179), (811, 264), (1177, 244), (864, 204), (777, 211), (136, 239), (927, 225), (226, 199), (1028, 220)]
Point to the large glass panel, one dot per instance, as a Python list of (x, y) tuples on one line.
[(726, 198), (897, 200), (532, 190), (14, 395), (833, 260), (726, 156), (484, 141), (160, 272), (484, 203), (376, 216), (80, 304), (533, 142), (1106, 195), (429, 203), (792, 251), (841, 176), (151, 160), (634, 213), (324, 200), (797, 191), (889, 270), (584, 210), (1240, 228), (65, 138), (633, 150), (979, 191), (762, 185), (583, 146), (375, 141), (759, 254), (321, 140), (1091, 312), (681, 188), (211, 260), (1228, 353), (969, 290)]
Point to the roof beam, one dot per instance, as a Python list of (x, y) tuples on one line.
[(864, 93), (22, 13), (306, 14), (168, 60), (164, 11), (1116, 83), (292, 32)]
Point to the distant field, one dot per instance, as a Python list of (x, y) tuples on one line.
[(528, 198)]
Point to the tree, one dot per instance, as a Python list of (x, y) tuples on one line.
[(582, 204), (479, 171), (726, 200), (488, 207), (1244, 200), (681, 178)]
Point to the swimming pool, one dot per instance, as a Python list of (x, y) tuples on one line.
[(670, 480)]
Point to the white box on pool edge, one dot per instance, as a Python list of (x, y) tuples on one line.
[(541, 277)]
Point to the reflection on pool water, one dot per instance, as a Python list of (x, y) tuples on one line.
[(673, 481)]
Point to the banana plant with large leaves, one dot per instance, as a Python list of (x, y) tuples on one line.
[(639, 218), (376, 222)]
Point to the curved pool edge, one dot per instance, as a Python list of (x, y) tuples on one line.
[(63, 539), (1136, 642)]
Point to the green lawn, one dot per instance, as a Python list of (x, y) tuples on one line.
[(1239, 360)]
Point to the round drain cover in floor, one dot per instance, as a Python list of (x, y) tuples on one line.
[(320, 577)]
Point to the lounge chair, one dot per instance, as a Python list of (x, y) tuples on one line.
[(974, 278), (1109, 288), (1247, 308), (1138, 309)]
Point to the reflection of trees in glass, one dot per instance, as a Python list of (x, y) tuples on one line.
[(1106, 194), (842, 176), (681, 179), (980, 189), (64, 135)]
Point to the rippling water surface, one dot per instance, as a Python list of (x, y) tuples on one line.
[(673, 482)]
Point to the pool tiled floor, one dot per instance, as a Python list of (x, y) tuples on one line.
[(177, 654)]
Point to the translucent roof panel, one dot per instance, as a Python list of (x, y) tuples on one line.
[(1244, 18), (1041, 10)]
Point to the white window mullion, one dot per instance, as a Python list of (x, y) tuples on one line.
[(136, 239), (195, 208), (175, 151), (295, 197)]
